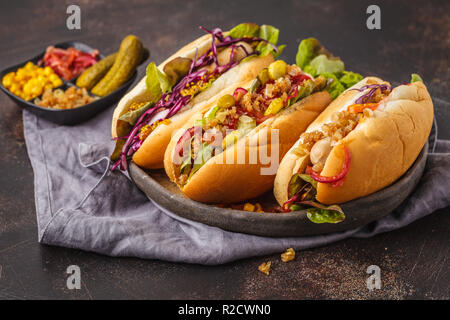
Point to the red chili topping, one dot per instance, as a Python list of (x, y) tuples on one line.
[(336, 180)]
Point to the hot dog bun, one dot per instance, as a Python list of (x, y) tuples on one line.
[(221, 182), (383, 146), (140, 94), (151, 154)]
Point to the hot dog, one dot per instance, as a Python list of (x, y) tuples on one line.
[(171, 93), (282, 99), (364, 141)]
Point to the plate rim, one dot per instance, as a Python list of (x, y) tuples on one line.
[(267, 217)]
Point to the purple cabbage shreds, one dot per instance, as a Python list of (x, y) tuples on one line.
[(383, 87), (174, 100), (373, 88)]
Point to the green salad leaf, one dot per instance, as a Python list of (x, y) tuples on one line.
[(186, 165), (307, 178), (330, 215), (242, 30), (316, 60), (296, 207), (304, 183), (294, 185), (304, 90), (335, 88), (415, 77), (320, 213), (280, 51), (307, 50), (322, 64), (270, 34), (350, 78), (204, 154), (117, 150), (131, 116), (306, 187), (157, 82)]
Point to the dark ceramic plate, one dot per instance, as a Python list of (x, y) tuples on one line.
[(67, 116), (156, 185)]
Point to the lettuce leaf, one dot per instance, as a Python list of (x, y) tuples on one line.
[(245, 30), (415, 77), (280, 51), (322, 64), (310, 70), (270, 34), (117, 150), (304, 90), (350, 78), (335, 88), (320, 213), (157, 82), (296, 207), (307, 178), (333, 214), (316, 60), (186, 165), (316, 212), (131, 116), (204, 154), (307, 50), (302, 183)]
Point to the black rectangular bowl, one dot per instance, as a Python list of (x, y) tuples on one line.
[(66, 116)]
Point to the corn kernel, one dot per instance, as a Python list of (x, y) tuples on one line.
[(249, 207)]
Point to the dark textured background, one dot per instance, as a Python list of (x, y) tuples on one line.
[(415, 37)]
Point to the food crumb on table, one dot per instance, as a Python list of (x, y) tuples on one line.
[(288, 255), (265, 267)]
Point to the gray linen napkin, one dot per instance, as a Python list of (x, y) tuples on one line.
[(81, 204)]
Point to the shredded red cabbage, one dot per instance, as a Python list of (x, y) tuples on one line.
[(174, 100), (373, 87)]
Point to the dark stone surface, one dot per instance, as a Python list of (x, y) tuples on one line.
[(413, 260)]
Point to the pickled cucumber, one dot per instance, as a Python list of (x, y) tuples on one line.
[(92, 75), (128, 58)]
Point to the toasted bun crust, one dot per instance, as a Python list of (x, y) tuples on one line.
[(382, 147), (151, 154), (221, 182)]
